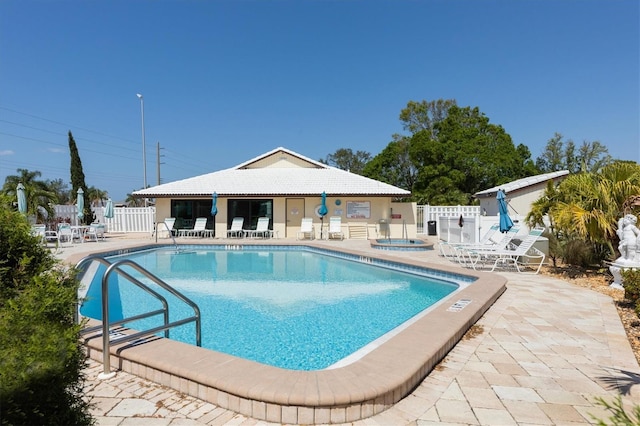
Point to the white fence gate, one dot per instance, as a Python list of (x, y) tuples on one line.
[(125, 219)]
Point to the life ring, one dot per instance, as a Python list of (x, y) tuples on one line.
[(317, 211)]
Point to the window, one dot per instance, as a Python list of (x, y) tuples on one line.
[(250, 210), (187, 211)]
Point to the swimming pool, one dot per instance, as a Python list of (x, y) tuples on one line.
[(365, 386), (295, 308)]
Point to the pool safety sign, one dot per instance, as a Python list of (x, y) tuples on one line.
[(459, 305)]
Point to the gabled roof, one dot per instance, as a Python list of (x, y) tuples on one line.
[(280, 172), (521, 183)]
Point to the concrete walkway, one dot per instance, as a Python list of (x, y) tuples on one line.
[(541, 355)]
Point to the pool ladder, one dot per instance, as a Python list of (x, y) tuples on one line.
[(107, 341), (156, 231)]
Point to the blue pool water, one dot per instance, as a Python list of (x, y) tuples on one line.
[(295, 308)]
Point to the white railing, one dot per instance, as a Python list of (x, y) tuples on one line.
[(125, 219)]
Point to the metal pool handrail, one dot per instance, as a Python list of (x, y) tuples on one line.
[(106, 341)]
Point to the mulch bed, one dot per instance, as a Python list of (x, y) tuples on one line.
[(599, 280)]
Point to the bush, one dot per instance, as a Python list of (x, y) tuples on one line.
[(41, 359), (631, 284), (578, 253)]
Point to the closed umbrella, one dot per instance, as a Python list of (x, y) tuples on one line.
[(214, 211), (505, 221), (108, 209), (22, 198), (322, 211), (214, 205), (80, 203)]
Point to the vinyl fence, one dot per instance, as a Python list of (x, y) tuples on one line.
[(125, 219), (445, 222)]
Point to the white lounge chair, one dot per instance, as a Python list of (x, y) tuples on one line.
[(335, 228), (521, 257), (199, 229), (236, 230), (448, 249), (262, 229), (169, 228), (306, 229), (499, 241)]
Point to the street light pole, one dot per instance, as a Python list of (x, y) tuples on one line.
[(144, 149)]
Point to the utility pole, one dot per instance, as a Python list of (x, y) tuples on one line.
[(158, 159)]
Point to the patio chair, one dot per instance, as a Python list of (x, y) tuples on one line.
[(521, 257), (335, 228), (306, 229), (236, 230), (65, 234), (39, 231), (262, 229), (170, 223), (448, 249), (95, 232), (500, 241), (199, 228)]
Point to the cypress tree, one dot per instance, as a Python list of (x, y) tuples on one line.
[(78, 181)]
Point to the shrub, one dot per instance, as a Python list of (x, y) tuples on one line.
[(578, 252), (41, 359), (631, 284)]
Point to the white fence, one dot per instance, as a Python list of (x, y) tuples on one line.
[(125, 219), (444, 221)]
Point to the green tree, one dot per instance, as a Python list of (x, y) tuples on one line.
[(346, 159), (133, 201), (78, 180), (39, 195), (41, 358), (470, 154), (61, 189), (561, 155), (424, 115), (393, 165), (97, 196)]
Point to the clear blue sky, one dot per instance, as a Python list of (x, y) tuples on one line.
[(225, 81)]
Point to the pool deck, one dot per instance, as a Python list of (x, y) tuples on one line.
[(540, 355)]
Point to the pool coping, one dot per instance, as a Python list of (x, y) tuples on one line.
[(366, 387)]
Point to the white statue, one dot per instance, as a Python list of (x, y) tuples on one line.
[(629, 235)]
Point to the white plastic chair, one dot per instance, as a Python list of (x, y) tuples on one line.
[(306, 229), (236, 230), (262, 229), (335, 228), (95, 232), (65, 234)]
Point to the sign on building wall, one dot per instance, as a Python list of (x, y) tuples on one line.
[(358, 209)]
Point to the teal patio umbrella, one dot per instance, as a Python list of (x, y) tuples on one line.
[(322, 211), (214, 210), (22, 198), (108, 209), (80, 204), (505, 221)]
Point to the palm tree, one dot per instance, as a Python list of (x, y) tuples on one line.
[(133, 202), (97, 196), (40, 198), (589, 205)]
